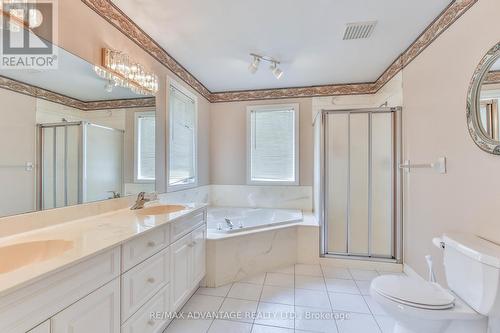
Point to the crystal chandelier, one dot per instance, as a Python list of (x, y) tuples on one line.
[(121, 71)]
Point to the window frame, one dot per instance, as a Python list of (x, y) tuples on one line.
[(274, 107), (179, 187), (137, 114)]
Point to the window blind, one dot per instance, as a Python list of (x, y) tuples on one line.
[(145, 146), (182, 155), (273, 145)]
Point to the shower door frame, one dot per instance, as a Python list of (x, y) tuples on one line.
[(39, 153), (397, 187)]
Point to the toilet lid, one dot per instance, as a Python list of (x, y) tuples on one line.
[(413, 292)]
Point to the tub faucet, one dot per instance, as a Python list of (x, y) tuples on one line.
[(229, 223), (141, 200)]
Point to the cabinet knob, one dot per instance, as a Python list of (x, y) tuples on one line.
[(151, 244), (151, 280)]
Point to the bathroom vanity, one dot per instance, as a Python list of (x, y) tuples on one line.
[(121, 267)]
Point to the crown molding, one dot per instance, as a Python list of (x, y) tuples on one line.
[(26, 89), (111, 13)]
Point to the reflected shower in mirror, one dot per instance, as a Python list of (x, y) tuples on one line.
[(69, 137)]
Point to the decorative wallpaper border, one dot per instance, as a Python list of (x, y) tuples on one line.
[(26, 89), (112, 14), (492, 77)]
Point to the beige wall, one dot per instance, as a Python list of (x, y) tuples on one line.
[(85, 33), (228, 159), (435, 86)]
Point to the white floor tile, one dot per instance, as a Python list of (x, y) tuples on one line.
[(312, 298), (358, 323), (363, 274), (189, 325), (348, 303), (279, 315), (342, 286), (283, 270), (272, 294), (245, 291), (385, 323), (239, 309), (279, 280), (375, 308), (224, 326), (364, 287), (316, 320), (312, 270), (203, 303), (336, 272), (310, 282), (255, 279), (270, 329), (219, 291)]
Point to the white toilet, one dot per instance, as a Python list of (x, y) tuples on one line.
[(472, 267)]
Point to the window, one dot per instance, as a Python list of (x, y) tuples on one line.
[(144, 146), (182, 171), (273, 151)]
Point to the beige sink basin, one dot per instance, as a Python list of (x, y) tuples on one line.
[(158, 210), (15, 256)]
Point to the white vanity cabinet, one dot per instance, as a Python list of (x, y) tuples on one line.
[(97, 312), (188, 265), (116, 291)]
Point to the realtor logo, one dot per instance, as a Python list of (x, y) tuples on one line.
[(29, 32)]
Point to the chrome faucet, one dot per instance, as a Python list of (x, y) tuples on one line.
[(229, 223), (142, 198)]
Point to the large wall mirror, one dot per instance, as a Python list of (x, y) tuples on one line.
[(483, 103), (68, 136)]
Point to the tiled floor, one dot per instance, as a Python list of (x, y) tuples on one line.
[(300, 298)]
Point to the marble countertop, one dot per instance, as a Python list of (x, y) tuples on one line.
[(89, 236)]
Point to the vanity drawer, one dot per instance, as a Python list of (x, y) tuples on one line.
[(143, 247), (186, 224), (141, 321), (29, 306), (143, 281)]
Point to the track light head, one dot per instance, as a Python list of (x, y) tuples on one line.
[(277, 72), (254, 66)]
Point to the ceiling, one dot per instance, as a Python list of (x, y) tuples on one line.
[(74, 77), (213, 39)]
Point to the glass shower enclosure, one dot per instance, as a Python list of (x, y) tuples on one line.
[(79, 162), (361, 183)]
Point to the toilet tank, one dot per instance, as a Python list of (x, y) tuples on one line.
[(472, 267)]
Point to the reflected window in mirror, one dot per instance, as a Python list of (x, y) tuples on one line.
[(145, 147), (182, 172)]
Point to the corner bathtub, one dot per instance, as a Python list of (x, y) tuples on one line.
[(261, 239), (220, 219)]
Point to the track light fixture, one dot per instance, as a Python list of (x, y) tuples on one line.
[(254, 66)]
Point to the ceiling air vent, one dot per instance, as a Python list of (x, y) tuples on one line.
[(359, 30)]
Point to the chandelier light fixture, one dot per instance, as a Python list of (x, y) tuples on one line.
[(274, 68), (119, 70)]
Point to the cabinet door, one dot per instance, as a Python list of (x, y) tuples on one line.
[(181, 270), (97, 312), (199, 255)]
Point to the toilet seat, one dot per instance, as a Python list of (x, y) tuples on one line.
[(413, 292)]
